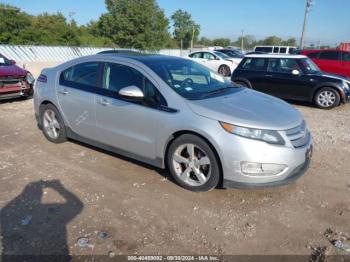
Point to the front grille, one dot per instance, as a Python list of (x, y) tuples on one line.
[(299, 136), (10, 81)]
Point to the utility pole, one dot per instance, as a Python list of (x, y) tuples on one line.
[(193, 30), (309, 4), (242, 40)]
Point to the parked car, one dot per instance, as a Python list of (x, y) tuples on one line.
[(275, 49), (331, 60), (232, 53), (14, 81), (216, 61), (293, 77), (175, 113)]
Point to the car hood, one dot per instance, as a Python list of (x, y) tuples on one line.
[(249, 108), (12, 70), (335, 76)]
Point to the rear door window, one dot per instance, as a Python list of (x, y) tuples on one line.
[(314, 55), (197, 55), (254, 64), (82, 76), (330, 55)]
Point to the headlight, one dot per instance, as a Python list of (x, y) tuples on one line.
[(268, 136), (346, 85), (30, 78)]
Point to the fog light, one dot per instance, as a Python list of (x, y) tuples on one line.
[(261, 169)]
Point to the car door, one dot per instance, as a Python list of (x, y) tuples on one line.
[(198, 57), (346, 63), (130, 126), (211, 61), (330, 61), (283, 83), (255, 70), (75, 93)]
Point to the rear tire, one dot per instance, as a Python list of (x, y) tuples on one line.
[(327, 98), (224, 70), (193, 164), (52, 124)]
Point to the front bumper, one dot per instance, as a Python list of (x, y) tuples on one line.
[(21, 88), (235, 150)]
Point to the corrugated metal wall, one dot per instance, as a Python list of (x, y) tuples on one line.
[(28, 53)]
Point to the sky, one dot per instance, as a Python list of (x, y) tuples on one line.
[(328, 21)]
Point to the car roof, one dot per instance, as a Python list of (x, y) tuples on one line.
[(144, 58), (275, 56)]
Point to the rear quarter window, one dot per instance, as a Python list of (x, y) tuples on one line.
[(254, 64)]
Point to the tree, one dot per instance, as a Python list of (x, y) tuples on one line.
[(224, 42), (134, 24), (185, 29), (50, 29), (13, 23), (290, 42), (205, 41)]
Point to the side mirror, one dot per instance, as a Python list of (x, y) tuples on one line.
[(295, 72), (13, 62), (131, 92)]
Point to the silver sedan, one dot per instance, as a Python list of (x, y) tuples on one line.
[(174, 113)]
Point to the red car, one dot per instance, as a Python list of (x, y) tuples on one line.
[(14, 81), (331, 60)]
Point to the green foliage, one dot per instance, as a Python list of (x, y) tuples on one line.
[(134, 24), (224, 42), (204, 41), (184, 28), (13, 24), (137, 24)]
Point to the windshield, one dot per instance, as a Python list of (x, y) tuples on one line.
[(190, 79), (222, 55), (4, 60), (310, 66)]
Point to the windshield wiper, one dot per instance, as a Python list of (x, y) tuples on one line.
[(217, 91)]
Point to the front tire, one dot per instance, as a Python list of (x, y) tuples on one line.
[(327, 98), (224, 70), (193, 163), (52, 124), (241, 84)]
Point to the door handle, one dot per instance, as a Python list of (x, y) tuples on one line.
[(63, 92), (268, 75), (103, 102)]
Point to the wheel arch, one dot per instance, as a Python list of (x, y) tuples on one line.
[(243, 80), (339, 90), (46, 102), (179, 133)]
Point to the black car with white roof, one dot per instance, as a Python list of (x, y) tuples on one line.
[(292, 77)]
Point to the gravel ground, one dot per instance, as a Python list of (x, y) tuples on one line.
[(52, 195)]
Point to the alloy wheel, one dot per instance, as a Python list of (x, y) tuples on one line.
[(51, 125), (191, 165), (326, 98)]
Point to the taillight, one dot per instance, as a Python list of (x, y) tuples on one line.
[(42, 78)]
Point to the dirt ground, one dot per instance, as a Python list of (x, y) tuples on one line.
[(52, 195)]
